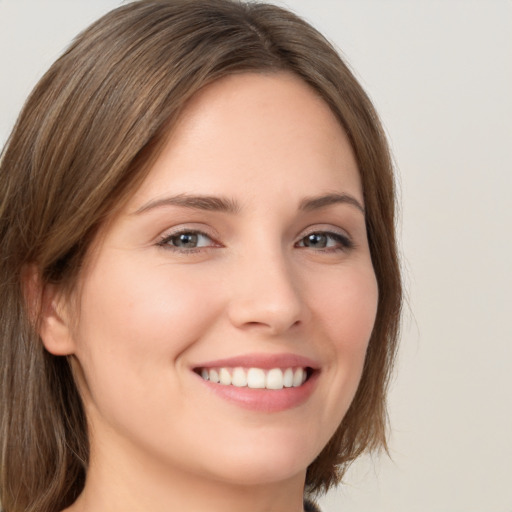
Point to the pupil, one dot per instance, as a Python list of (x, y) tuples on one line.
[(316, 240), (188, 240)]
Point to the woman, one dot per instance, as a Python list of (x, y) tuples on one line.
[(200, 288)]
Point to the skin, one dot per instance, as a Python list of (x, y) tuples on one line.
[(149, 311)]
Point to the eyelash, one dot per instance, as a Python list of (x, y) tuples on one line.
[(166, 240), (343, 242)]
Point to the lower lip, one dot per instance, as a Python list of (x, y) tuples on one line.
[(264, 400)]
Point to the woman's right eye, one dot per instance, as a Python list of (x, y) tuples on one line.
[(186, 241)]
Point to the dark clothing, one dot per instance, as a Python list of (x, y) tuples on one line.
[(310, 506)]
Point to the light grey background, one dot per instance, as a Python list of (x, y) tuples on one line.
[(440, 74)]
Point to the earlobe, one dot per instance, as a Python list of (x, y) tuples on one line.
[(48, 313)]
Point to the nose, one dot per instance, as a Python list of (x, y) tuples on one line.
[(266, 295)]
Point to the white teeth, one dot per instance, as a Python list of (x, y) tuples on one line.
[(224, 377), (275, 379), (298, 377), (239, 378), (288, 378), (256, 378)]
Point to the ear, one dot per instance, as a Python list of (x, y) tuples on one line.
[(49, 313)]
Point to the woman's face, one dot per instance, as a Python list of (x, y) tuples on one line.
[(243, 256)]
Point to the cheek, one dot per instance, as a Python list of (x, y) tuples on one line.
[(133, 323), (345, 312), (347, 308), (147, 307), (343, 306)]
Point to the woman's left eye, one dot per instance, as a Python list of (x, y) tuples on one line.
[(187, 240), (325, 240)]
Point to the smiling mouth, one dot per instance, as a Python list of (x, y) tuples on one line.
[(256, 378)]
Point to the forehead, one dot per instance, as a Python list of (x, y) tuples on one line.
[(255, 131)]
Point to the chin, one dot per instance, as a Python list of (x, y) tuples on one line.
[(261, 472), (272, 458)]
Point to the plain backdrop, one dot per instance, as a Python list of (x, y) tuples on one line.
[(440, 74)]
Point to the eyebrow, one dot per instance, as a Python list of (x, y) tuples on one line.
[(199, 202), (318, 202), (226, 205)]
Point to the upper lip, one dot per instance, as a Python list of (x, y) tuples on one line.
[(263, 361)]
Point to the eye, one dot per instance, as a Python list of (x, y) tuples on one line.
[(186, 240), (325, 240)]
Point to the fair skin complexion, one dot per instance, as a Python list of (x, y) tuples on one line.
[(273, 268)]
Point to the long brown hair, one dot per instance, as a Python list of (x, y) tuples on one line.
[(85, 140)]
